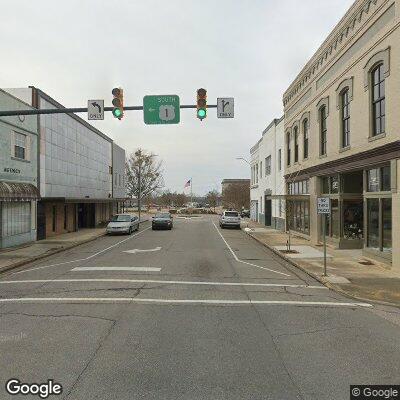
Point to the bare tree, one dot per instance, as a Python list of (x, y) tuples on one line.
[(212, 198), (236, 196), (143, 174)]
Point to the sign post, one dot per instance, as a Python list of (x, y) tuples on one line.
[(324, 208)]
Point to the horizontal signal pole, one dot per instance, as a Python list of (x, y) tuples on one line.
[(76, 110)]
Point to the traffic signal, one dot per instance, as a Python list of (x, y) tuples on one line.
[(201, 103), (118, 103)]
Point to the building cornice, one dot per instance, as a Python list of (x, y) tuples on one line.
[(344, 31)]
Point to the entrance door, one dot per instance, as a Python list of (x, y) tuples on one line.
[(86, 215), (268, 212), (41, 221)]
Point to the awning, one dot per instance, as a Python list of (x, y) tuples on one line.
[(16, 191)]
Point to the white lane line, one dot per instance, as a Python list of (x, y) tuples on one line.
[(245, 262), (142, 250), (177, 301), (81, 259), (130, 269), (164, 282)]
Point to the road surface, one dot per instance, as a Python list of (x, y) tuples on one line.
[(192, 313)]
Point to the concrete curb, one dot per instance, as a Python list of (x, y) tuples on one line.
[(51, 253), (320, 279)]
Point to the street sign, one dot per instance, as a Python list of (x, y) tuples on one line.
[(95, 109), (225, 107), (323, 205), (163, 109)]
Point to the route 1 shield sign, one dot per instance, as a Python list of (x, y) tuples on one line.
[(163, 109)]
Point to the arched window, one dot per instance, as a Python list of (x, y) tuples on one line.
[(378, 100), (305, 138), (296, 144), (288, 149), (345, 117), (323, 130)]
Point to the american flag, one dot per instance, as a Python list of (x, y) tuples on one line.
[(187, 184)]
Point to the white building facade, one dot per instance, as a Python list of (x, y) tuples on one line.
[(267, 187)]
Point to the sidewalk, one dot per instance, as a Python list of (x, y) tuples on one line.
[(349, 272), (14, 257)]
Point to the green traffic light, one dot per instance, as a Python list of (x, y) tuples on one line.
[(201, 113), (117, 112)]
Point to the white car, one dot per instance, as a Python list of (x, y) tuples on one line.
[(123, 223), (230, 218)]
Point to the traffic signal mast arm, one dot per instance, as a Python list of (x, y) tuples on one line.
[(79, 110)]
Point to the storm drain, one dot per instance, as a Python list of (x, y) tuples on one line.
[(366, 262)]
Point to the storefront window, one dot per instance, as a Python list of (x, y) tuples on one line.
[(15, 218), (334, 184), (353, 182), (385, 178), (325, 185), (298, 215), (335, 218), (373, 180), (386, 224), (373, 223), (379, 179), (353, 219)]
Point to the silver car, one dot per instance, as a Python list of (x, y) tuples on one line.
[(230, 218), (123, 223)]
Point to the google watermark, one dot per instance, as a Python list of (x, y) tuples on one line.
[(373, 392), (43, 390)]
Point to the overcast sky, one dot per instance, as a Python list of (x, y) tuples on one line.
[(250, 50)]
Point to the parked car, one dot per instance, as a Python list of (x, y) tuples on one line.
[(230, 218), (245, 213), (162, 221), (123, 223)]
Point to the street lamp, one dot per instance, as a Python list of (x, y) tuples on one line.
[(241, 158)]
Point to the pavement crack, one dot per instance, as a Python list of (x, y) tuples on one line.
[(316, 331), (57, 316), (108, 333)]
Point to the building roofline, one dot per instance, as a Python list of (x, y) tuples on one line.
[(45, 96)]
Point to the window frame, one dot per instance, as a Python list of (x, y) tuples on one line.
[(323, 130), (345, 118), (306, 138), (379, 68), (296, 144)]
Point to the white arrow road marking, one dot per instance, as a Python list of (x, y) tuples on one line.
[(82, 259), (179, 301), (130, 269), (142, 250)]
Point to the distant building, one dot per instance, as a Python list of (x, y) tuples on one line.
[(267, 204), (18, 174), (81, 171)]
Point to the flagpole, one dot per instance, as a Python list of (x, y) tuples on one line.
[(191, 192)]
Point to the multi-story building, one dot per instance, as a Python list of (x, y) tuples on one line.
[(342, 134), (267, 177), (18, 174), (81, 170)]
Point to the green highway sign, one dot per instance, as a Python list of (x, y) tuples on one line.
[(163, 109)]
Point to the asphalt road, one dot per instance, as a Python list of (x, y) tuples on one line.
[(192, 313)]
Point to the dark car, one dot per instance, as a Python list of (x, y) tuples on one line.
[(162, 221), (245, 213)]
